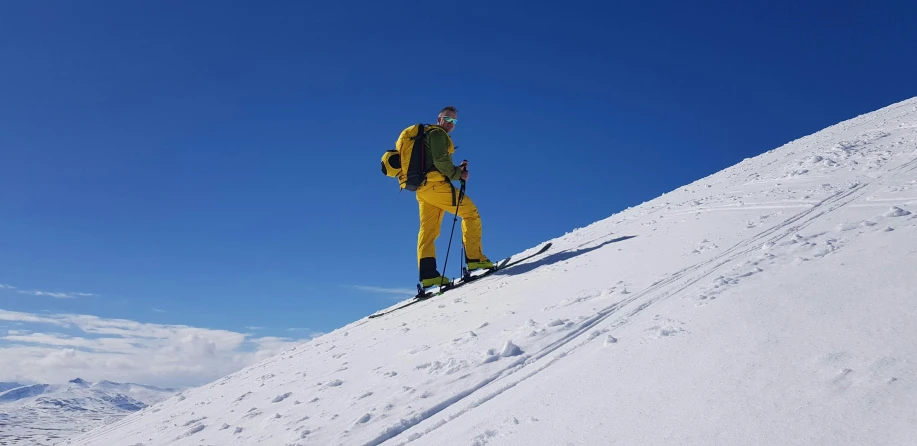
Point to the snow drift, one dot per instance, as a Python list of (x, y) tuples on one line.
[(770, 303)]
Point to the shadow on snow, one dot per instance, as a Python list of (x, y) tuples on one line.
[(557, 257)]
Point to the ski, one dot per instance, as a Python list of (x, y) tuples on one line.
[(413, 301), (423, 295), (508, 262)]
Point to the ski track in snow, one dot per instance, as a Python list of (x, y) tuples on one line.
[(788, 200)]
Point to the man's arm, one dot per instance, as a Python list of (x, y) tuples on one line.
[(441, 159)]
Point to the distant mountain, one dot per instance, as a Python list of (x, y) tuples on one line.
[(7, 386), (19, 393), (43, 414)]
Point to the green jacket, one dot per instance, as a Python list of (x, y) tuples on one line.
[(436, 154)]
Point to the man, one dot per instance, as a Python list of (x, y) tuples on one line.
[(438, 195)]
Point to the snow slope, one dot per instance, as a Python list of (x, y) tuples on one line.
[(43, 414), (773, 302)]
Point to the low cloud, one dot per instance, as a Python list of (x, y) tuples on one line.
[(39, 293), (15, 316), (55, 295), (60, 347)]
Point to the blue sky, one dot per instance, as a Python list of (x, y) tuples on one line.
[(216, 164)]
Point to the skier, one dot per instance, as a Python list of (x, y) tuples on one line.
[(438, 195)]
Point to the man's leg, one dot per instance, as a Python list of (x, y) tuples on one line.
[(431, 220), (442, 196), (471, 230)]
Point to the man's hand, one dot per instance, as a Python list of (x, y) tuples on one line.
[(464, 167)]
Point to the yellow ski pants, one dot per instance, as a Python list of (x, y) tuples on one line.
[(435, 198)]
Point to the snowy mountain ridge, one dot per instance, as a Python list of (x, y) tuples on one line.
[(769, 303), (46, 413), (7, 386)]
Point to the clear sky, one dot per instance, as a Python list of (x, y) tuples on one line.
[(216, 164)]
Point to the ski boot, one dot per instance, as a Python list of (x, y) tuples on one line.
[(479, 264), (435, 281)]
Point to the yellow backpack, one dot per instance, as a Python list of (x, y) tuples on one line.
[(406, 162)]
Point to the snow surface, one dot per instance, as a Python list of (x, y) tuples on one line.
[(44, 414), (773, 302)]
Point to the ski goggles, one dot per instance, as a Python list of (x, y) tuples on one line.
[(450, 119)]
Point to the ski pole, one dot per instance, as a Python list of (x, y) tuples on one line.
[(461, 196)]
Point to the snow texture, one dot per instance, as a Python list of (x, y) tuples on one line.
[(770, 303)]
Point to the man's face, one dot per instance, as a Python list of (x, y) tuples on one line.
[(444, 123)]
